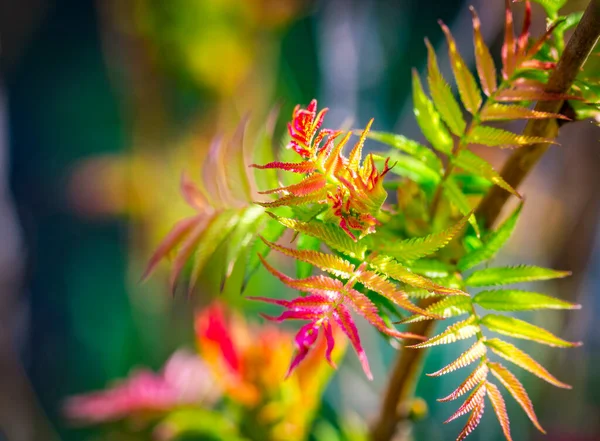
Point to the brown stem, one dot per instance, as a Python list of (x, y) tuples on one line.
[(520, 163), (405, 374)]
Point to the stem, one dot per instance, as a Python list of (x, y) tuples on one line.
[(520, 163), (398, 396)]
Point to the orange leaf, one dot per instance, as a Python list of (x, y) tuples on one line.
[(474, 399), (476, 377), (532, 94), (485, 63), (500, 408), (516, 389), (473, 421), (501, 112), (508, 48)]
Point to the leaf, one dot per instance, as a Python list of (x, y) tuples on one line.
[(472, 163), (467, 87), (512, 274), (517, 300), (503, 112), (495, 242), (245, 231), (448, 307), (516, 389), (499, 407), (508, 47), (460, 201), (551, 6), (216, 232), (419, 247), (485, 63), (412, 168), (263, 153), (305, 242), (236, 175), (473, 400), (521, 329), (458, 331), (429, 119), (473, 420), (410, 147), (475, 352), (430, 268), (532, 94), (476, 377), (332, 235), (513, 354), (396, 271), (493, 137), (444, 101)]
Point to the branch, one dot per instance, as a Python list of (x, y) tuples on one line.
[(398, 397), (520, 163)]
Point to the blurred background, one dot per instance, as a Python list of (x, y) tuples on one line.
[(102, 106)]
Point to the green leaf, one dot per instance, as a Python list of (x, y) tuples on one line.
[(429, 119), (472, 184), (472, 163), (409, 147), (517, 300), (551, 6), (521, 329), (460, 201), (430, 268), (245, 231), (495, 242), (448, 307), (305, 242), (333, 236), (196, 421), (513, 354), (513, 274), (419, 247), (412, 168), (442, 96), (493, 137), (458, 331)]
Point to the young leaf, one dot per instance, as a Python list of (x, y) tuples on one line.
[(508, 48), (429, 119), (460, 201), (512, 274), (412, 168), (476, 377), (493, 137), (516, 389), (419, 247), (473, 400), (472, 163), (499, 407), (473, 420), (458, 331), (441, 93), (475, 352), (495, 242), (448, 307), (332, 235), (245, 230), (467, 87), (485, 63), (410, 147), (532, 94), (521, 329), (517, 300), (503, 112), (513, 354)]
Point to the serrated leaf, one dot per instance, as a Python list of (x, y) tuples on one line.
[(472, 354), (513, 354), (490, 248), (476, 377), (472, 163), (483, 59), (474, 399), (397, 271), (517, 328), (460, 201), (448, 307), (429, 119), (499, 407), (412, 168), (517, 300), (458, 331), (410, 147), (508, 47), (513, 274), (333, 236), (504, 112), (305, 242), (442, 96), (473, 421), (419, 247), (467, 87), (430, 268), (516, 389), (531, 94), (494, 137)]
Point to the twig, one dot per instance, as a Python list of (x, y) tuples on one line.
[(520, 163), (405, 374)]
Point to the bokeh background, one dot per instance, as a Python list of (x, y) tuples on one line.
[(103, 104)]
